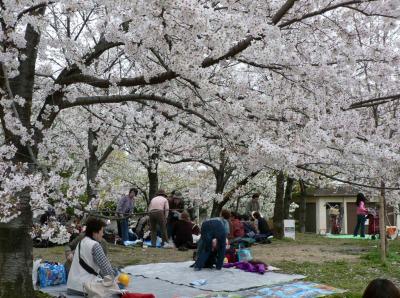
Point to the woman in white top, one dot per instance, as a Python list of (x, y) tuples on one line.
[(89, 259)]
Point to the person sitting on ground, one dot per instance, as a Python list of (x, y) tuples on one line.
[(142, 226), (237, 226), (89, 261), (158, 214), (182, 232), (249, 228), (212, 245), (69, 250), (262, 225), (381, 288)]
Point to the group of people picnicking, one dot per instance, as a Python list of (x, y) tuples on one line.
[(87, 254)]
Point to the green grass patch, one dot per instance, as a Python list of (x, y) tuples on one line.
[(352, 276)]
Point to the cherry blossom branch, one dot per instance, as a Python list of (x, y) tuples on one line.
[(190, 159), (282, 11), (91, 100), (321, 11), (370, 14), (374, 101), (245, 43), (33, 8), (124, 82), (302, 167), (228, 195)]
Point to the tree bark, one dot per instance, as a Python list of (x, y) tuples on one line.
[(92, 163), (153, 182), (288, 196), (279, 205), (219, 189), (15, 240), (382, 230), (16, 252), (302, 207)]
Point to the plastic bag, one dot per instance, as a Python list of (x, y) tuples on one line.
[(101, 288), (244, 254), (51, 274), (35, 268)]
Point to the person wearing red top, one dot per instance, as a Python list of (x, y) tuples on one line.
[(361, 215), (237, 225)]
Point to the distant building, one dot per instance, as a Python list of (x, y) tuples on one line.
[(319, 201)]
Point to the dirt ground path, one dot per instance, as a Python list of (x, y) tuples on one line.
[(299, 251), (295, 252)]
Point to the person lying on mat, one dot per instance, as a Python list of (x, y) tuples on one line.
[(212, 245), (89, 260)]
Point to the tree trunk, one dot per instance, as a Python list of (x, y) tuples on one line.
[(288, 196), (302, 207), (219, 189), (92, 163), (382, 230), (279, 205), (16, 252), (153, 182)]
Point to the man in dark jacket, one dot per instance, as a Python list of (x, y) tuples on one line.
[(182, 232), (263, 227)]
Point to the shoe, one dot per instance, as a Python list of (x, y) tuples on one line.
[(168, 245), (182, 248)]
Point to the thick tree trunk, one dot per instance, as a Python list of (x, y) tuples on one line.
[(16, 252), (288, 196), (302, 207), (279, 205)]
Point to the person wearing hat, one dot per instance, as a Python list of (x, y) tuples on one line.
[(176, 206), (158, 214)]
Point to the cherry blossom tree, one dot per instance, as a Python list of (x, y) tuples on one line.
[(301, 95)]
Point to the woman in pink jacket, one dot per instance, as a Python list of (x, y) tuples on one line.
[(361, 215)]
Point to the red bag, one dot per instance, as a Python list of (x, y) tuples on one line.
[(137, 295)]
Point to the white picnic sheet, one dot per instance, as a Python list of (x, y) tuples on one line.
[(167, 280)]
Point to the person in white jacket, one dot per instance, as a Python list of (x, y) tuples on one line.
[(89, 260)]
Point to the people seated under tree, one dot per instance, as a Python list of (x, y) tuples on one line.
[(250, 229), (237, 226), (262, 227), (89, 260), (182, 231)]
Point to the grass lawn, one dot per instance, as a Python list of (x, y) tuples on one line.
[(343, 263)]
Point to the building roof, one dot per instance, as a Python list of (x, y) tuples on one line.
[(339, 191)]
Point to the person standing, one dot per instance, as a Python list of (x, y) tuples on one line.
[(362, 212), (254, 204), (124, 209), (176, 206), (158, 214)]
